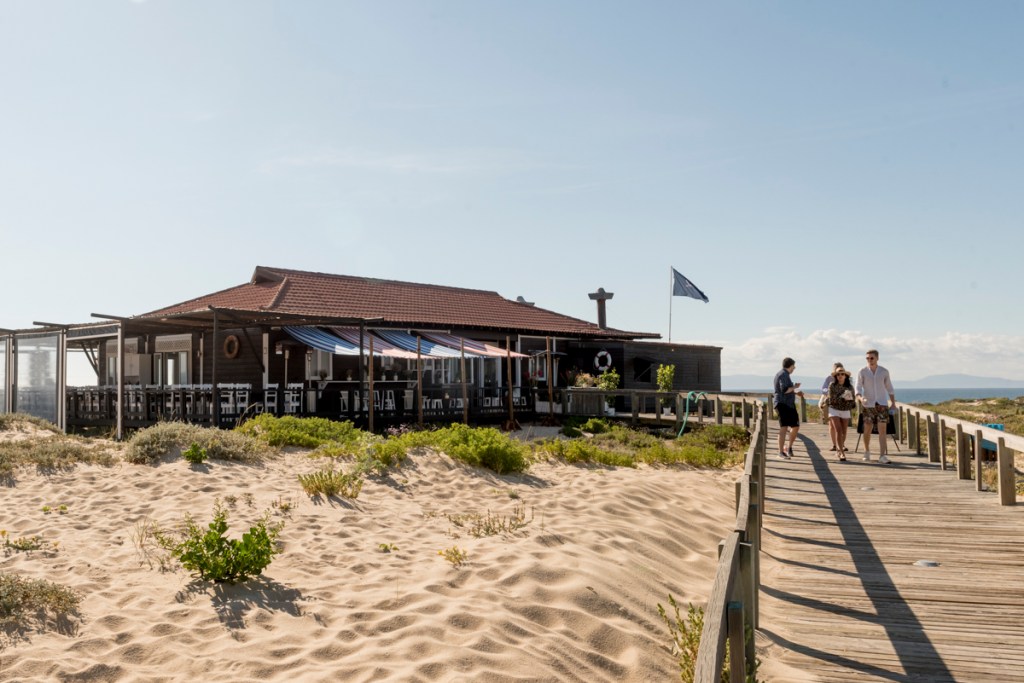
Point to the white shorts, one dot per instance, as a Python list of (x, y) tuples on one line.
[(832, 412)]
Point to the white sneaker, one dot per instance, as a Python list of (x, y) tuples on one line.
[(883, 460), (783, 455), (867, 456)]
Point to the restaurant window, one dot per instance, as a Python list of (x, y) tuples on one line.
[(643, 370), (37, 376), (171, 368), (320, 365)]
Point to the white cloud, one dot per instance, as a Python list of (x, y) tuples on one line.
[(910, 358)]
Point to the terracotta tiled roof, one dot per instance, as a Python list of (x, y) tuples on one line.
[(399, 304)]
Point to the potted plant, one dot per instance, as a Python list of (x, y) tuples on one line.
[(609, 381), (666, 378)]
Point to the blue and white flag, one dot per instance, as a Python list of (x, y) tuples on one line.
[(681, 286)]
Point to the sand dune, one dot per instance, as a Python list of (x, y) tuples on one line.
[(570, 597)]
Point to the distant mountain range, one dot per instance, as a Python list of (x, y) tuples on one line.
[(949, 381)]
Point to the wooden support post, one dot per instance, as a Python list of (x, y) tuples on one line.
[(419, 381), (803, 409), (680, 408), (942, 444), (369, 389), (718, 410), (933, 439), (1007, 477), (635, 413), (913, 440), (746, 415), (754, 537), (737, 650), (963, 467), (979, 454)]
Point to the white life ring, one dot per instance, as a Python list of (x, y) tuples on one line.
[(603, 361)]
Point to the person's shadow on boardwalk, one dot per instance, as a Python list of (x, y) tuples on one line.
[(917, 655)]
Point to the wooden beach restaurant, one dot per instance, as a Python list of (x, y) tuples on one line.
[(290, 342)]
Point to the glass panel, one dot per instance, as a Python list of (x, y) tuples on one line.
[(3, 376), (37, 377)]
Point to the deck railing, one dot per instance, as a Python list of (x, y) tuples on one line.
[(733, 606)]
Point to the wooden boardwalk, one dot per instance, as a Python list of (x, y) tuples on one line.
[(842, 598)]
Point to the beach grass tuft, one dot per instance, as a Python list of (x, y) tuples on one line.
[(331, 482), (150, 444), (304, 432), (52, 454)]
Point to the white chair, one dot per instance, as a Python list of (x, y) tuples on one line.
[(227, 398), (270, 398), (293, 398), (389, 400), (242, 396)]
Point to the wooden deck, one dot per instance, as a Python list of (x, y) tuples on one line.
[(842, 599)]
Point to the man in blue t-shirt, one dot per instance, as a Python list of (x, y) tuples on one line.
[(784, 393)]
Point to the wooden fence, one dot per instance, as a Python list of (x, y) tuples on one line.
[(732, 608)]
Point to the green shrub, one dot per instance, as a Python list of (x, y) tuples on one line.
[(575, 451), (594, 425), (214, 557), (331, 482), (24, 599), (150, 444), (480, 447), (305, 432), (195, 454)]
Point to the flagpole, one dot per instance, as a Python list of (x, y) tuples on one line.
[(671, 282)]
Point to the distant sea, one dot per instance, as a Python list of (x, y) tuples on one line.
[(938, 395)]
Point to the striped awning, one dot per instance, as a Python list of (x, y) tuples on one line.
[(428, 348), (381, 347), (322, 341), (472, 346)]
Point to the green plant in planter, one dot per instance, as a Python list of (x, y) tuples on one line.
[(609, 381), (666, 377)]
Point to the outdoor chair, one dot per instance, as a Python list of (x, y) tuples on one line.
[(270, 398)]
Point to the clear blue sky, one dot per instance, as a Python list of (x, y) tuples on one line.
[(833, 175)]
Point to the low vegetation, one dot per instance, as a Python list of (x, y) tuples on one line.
[(21, 422), (614, 445), (331, 482), (1008, 412), (25, 601), (685, 633), (304, 432), (490, 524), (455, 555), (150, 444), (212, 556), (52, 454)]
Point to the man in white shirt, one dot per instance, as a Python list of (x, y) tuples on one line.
[(873, 384)]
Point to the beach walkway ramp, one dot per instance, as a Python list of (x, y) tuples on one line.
[(894, 572)]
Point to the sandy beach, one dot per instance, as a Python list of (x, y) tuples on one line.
[(571, 596)]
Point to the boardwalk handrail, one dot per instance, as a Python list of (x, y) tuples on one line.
[(733, 605)]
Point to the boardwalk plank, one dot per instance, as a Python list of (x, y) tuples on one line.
[(841, 595)]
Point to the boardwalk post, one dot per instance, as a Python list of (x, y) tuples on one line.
[(899, 425), (803, 409), (737, 649), (718, 410), (963, 468), (912, 427), (746, 415), (979, 454), (942, 444), (1007, 483), (933, 439)]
